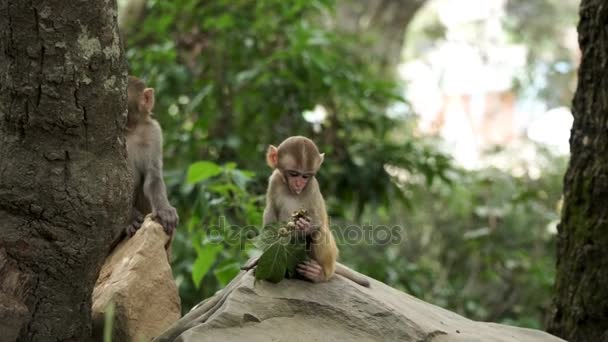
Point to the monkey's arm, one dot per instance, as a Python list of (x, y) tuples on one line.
[(270, 216), (324, 248), (154, 185), (318, 213), (270, 211), (322, 266), (325, 251)]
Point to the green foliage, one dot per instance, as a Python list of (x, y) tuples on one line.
[(201, 171), (282, 252), (220, 216), (482, 246), (233, 76), (236, 76)]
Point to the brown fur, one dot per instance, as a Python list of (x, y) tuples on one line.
[(299, 153)]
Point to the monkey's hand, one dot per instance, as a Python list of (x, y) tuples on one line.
[(167, 217), (136, 220), (304, 224), (312, 271)]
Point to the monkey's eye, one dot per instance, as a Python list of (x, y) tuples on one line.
[(292, 173), (305, 176)]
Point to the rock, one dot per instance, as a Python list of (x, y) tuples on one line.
[(137, 278), (339, 310), (14, 285)]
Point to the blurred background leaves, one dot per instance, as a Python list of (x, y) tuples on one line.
[(233, 76)]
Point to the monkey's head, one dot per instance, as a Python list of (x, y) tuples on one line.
[(140, 100), (298, 159)]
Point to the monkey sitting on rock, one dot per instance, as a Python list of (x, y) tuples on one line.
[(293, 187)]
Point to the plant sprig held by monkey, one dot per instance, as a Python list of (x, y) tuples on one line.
[(284, 248)]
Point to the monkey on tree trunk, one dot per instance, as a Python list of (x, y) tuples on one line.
[(145, 154), (293, 186)]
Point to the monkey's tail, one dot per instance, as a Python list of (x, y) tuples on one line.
[(352, 275), (251, 263)]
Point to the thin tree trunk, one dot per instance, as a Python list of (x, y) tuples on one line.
[(581, 297), (385, 20), (63, 174)]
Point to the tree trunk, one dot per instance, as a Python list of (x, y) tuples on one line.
[(64, 181), (581, 298), (385, 20)]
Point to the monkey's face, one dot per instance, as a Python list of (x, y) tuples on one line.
[(297, 180), (297, 170), (298, 160), (140, 100)]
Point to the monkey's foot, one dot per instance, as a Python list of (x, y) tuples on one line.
[(134, 226), (312, 271)]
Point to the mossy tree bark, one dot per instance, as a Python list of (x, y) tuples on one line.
[(581, 297), (64, 178)]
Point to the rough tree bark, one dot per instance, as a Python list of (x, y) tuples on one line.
[(63, 169), (581, 297), (386, 20)]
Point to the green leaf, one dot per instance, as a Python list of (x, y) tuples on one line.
[(223, 188), (205, 259), (193, 223), (272, 264), (268, 236), (281, 254), (246, 75), (202, 170), (198, 98), (296, 255)]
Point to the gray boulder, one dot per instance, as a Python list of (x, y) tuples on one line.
[(339, 310)]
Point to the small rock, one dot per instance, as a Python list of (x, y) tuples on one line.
[(137, 278)]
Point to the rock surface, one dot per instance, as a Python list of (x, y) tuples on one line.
[(137, 278), (338, 310)]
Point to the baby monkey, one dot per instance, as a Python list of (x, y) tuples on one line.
[(145, 154), (293, 186)]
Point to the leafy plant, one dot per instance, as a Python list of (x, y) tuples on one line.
[(282, 253), (284, 247), (482, 245), (221, 217)]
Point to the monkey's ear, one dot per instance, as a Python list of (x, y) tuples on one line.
[(147, 100), (272, 157), (321, 158)]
